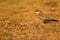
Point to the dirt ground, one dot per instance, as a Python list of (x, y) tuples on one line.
[(18, 20)]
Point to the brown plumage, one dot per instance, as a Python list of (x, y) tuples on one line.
[(43, 17)]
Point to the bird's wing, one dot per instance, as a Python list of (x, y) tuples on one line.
[(42, 16)]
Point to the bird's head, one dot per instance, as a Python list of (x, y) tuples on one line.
[(37, 11)]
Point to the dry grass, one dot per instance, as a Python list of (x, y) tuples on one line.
[(18, 20)]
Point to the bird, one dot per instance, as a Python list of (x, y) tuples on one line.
[(44, 17)]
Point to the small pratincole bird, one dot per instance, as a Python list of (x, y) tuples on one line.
[(43, 17)]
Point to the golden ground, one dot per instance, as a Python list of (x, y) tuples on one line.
[(18, 20)]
